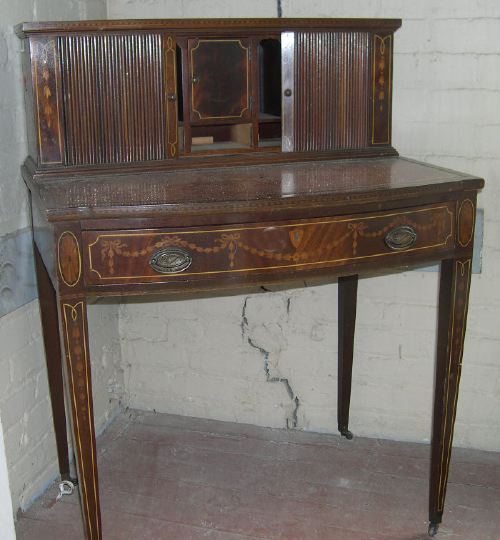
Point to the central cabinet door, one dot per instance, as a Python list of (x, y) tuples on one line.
[(219, 71)]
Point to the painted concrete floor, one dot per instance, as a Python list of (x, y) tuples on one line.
[(172, 477)]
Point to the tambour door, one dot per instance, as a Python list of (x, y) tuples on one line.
[(118, 96), (336, 90)]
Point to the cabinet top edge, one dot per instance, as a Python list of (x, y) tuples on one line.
[(213, 24)]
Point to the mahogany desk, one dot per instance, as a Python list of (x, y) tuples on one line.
[(207, 229), (200, 155)]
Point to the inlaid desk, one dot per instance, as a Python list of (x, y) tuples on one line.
[(168, 156)]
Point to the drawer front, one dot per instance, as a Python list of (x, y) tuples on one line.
[(166, 255)]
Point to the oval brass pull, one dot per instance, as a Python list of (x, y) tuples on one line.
[(195, 80), (402, 237), (172, 97), (171, 260)]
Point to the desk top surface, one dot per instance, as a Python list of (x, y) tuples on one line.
[(291, 185)]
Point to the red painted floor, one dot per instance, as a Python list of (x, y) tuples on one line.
[(171, 477)]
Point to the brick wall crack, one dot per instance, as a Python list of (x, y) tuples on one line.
[(292, 420)]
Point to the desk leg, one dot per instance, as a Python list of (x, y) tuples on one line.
[(52, 343), (348, 290), (453, 303), (75, 338)]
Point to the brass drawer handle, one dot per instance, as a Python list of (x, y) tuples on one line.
[(402, 237), (171, 260)]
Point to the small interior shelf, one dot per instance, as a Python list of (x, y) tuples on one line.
[(268, 143), (220, 137), (266, 117), (217, 146)]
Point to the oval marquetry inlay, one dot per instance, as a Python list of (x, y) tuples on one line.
[(465, 222), (69, 259)]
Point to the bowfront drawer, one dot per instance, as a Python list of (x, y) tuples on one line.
[(164, 255)]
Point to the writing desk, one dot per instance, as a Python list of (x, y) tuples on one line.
[(169, 156)]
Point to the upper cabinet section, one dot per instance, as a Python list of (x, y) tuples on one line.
[(108, 94)]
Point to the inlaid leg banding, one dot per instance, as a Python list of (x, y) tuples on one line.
[(75, 339), (453, 304)]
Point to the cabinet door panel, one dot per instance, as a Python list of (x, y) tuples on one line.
[(220, 79)]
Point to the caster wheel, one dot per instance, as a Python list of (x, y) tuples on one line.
[(433, 529), (347, 434)]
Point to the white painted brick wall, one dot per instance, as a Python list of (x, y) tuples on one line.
[(6, 513), (25, 406), (105, 351), (194, 357)]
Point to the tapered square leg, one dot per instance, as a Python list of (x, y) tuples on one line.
[(453, 304), (50, 328), (348, 290), (75, 339)]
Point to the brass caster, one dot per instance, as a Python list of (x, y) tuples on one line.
[(347, 434)]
